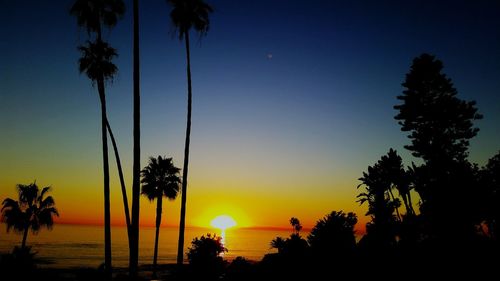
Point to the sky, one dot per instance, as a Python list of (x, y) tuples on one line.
[(292, 100)]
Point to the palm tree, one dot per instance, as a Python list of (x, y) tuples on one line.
[(122, 180), (382, 204), (93, 14), (187, 14), (96, 63), (136, 168), (295, 223), (31, 211), (160, 178)]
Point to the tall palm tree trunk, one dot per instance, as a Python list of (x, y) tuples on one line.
[(182, 224), (122, 181), (136, 169), (107, 211), (25, 235), (157, 234)]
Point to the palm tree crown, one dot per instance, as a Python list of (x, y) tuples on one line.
[(32, 211), (190, 13), (96, 60), (160, 178), (91, 14)]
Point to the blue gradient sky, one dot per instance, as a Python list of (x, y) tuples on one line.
[(287, 135)]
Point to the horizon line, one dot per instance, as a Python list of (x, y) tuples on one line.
[(281, 228)]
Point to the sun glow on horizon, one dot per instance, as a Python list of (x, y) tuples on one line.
[(223, 222)]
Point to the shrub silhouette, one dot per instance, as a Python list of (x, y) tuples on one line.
[(333, 236), (293, 247), (240, 269), (204, 256)]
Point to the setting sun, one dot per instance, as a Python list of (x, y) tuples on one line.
[(223, 222)]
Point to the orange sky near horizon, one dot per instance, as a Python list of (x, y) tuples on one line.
[(82, 204), (272, 137)]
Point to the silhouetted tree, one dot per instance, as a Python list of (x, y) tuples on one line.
[(94, 14), (439, 123), (440, 126), (32, 211), (296, 224), (382, 204), (293, 248), (278, 243), (96, 63), (160, 178), (240, 269), (204, 256), (291, 261), (399, 179), (187, 14), (333, 236), (122, 180), (134, 242), (490, 181)]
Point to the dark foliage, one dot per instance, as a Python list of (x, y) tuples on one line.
[(382, 204), (204, 256), (187, 14), (490, 187), (333, 237), (240, 269), (440, 124), (33, 210), (160, 178)]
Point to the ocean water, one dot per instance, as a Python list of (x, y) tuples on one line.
[(82, 245)]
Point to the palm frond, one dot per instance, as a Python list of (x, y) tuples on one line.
[(96, 60), (92, 14), (187, 14), (160, 178), (31, 211), (42, 193)]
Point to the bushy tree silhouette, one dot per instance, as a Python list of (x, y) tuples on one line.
[(333, 237), (240, 269), (490, 184), (204, 256), (440, 126), (382, 204), (295, 247)]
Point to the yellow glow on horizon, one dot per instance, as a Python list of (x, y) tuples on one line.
[(206, 217), (223, 222)]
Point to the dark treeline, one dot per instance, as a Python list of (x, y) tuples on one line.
[(436, 219)]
